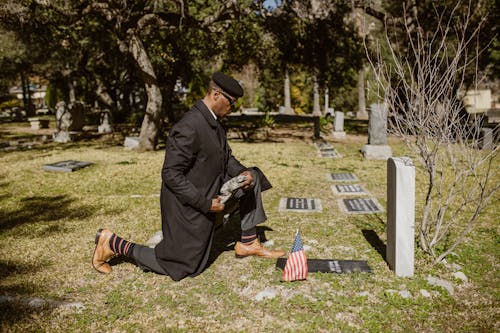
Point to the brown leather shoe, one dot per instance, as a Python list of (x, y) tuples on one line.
[(256, 249), (102, 251)]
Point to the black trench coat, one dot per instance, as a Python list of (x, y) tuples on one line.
[(197, 162)]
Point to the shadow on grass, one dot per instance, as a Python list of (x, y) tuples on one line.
[(375, 241), (4, 196), (15, 299), (37, 209), (36, 143), (372, 226)]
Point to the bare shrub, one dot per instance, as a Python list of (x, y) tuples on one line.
[(423, 84)]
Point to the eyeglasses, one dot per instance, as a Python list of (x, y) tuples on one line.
[(229, 99)]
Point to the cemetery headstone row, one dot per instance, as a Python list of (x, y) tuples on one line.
[(353, 205), (314, 205)]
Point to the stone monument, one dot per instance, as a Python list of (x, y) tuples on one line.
[(131, 142), (338, 129), (361, 114), (38, 123), (69, 118), (288, 101), (400, 215), (486, 139), (316, 107), (377, 147), (105, 122), (326, 102), (63, 122)]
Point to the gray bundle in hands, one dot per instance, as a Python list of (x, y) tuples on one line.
[(230, 187)]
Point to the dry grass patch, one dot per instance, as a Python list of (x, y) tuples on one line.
[(48, 222)]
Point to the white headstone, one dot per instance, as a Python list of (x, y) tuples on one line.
[(326, 102), (486, 141), (400, 215), (338, 130), (131, 142), (339, 121), (105, 120), (62, 137), (37, 123), (316, 107)]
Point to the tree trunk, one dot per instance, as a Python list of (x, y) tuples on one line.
[(151, 123)]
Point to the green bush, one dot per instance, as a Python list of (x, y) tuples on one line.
[(9, 104)]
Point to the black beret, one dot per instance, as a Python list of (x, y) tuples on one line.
[(228, 84)]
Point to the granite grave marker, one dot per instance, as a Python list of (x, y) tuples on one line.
[(342, 177), (377, 147), (329, 153), (331, 266), (351, 189), (66, 166), (306, 205), (360, 206)]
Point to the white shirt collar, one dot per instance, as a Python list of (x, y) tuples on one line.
[(213, 114)]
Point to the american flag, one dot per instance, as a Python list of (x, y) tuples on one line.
[(296, 265)]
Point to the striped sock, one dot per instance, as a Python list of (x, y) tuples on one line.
[(121, 246), (248, 236)]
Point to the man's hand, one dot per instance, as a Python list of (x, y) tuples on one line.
[(217, 206), (248, 182)]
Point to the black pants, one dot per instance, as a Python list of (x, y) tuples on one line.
[(251, 213)]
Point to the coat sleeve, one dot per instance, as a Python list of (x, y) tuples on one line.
[(181, 149)]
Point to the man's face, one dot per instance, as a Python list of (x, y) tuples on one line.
[(224, 103)]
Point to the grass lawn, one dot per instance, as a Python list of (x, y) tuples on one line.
[(48, 221)]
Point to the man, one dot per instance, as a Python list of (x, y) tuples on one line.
[(198, 161)]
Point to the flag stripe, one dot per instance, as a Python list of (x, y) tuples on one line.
[(296, 265)]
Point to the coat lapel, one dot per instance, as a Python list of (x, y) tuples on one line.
[(214, 124)]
